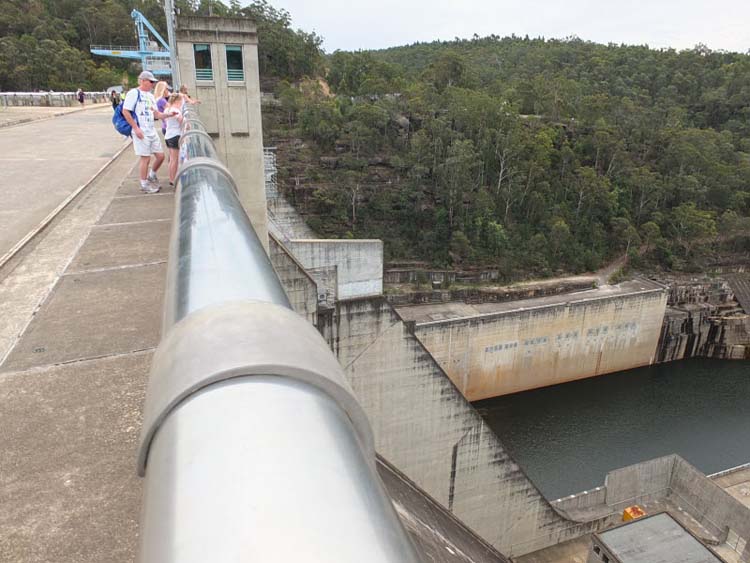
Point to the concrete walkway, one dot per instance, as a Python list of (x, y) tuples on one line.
[(79, 318), (11, 116), (43, 162)]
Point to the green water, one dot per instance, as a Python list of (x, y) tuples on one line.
[(567, 437)]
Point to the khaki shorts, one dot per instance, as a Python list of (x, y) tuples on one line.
[(147, 146)]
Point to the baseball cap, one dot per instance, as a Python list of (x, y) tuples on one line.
[(147, 75)]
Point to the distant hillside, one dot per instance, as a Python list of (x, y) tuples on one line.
[(535, 156), (44, 44), (575, 78)]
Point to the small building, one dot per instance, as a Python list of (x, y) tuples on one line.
[(651, 539)]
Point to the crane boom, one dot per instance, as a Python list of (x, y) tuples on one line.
[(153, 58)]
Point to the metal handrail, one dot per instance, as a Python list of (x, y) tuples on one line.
[(113, 47), (253, 446), (134, 48)]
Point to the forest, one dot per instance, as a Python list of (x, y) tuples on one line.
[(44, 44), (534, 156)]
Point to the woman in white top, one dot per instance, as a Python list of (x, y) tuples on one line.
[(172, 133)]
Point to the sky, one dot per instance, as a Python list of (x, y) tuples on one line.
[(681, 24)]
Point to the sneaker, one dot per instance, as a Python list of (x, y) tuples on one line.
[(149, 188), (152, 176), (154, 184)]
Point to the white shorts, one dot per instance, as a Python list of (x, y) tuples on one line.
[(147, 146)]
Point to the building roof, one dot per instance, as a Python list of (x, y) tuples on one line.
[(655, 539)]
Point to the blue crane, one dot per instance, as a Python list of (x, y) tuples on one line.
[(153, 56)]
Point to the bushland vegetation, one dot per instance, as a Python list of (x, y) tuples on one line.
[(532, 155), (535, 155)]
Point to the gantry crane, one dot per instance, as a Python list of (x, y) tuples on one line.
[(153, 56)]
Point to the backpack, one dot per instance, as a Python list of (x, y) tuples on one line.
[(118, 119)]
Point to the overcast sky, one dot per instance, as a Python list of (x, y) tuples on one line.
[(373, 24)]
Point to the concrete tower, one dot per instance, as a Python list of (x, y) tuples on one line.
[(218, 62)]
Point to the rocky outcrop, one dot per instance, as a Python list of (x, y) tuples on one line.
[(703, 319)]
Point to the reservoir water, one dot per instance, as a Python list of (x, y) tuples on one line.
[(567, 437)]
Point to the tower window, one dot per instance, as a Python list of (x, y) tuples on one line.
[(235, 72), (203, 68)]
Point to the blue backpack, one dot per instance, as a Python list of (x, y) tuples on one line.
[(118, 119)]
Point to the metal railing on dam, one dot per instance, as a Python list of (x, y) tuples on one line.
[(253, 446)]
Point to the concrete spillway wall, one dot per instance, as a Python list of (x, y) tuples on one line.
[(426, 428), (524, 348), (669, 479)]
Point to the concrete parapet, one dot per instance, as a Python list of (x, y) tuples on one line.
[(359, 263), (638, 483), (582, 501), (485, 294), (300, 286), (49, 99), (709, 504)]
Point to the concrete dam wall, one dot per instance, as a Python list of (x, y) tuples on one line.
[(494, 349), (426, 428)]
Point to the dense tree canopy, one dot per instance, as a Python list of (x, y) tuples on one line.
[(44, 44), (533, 155)]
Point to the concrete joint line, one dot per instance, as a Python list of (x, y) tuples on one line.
[(366, 348), (20, 244), (37, 306), (47, 367), (145, 221), (46, 291), (112, 268), (151, 196)]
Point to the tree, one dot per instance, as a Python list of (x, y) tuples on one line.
[(651, 234), (457, 176), (448, 69), (625, 233), (692, 226)]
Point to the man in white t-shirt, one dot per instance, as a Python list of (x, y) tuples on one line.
[(139, 109)]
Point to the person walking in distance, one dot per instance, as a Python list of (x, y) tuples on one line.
[(139, 109), (172, 134)]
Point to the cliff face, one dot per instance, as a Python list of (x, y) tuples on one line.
[(703, 319)]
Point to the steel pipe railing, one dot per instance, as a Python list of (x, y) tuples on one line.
[(253, 446)]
